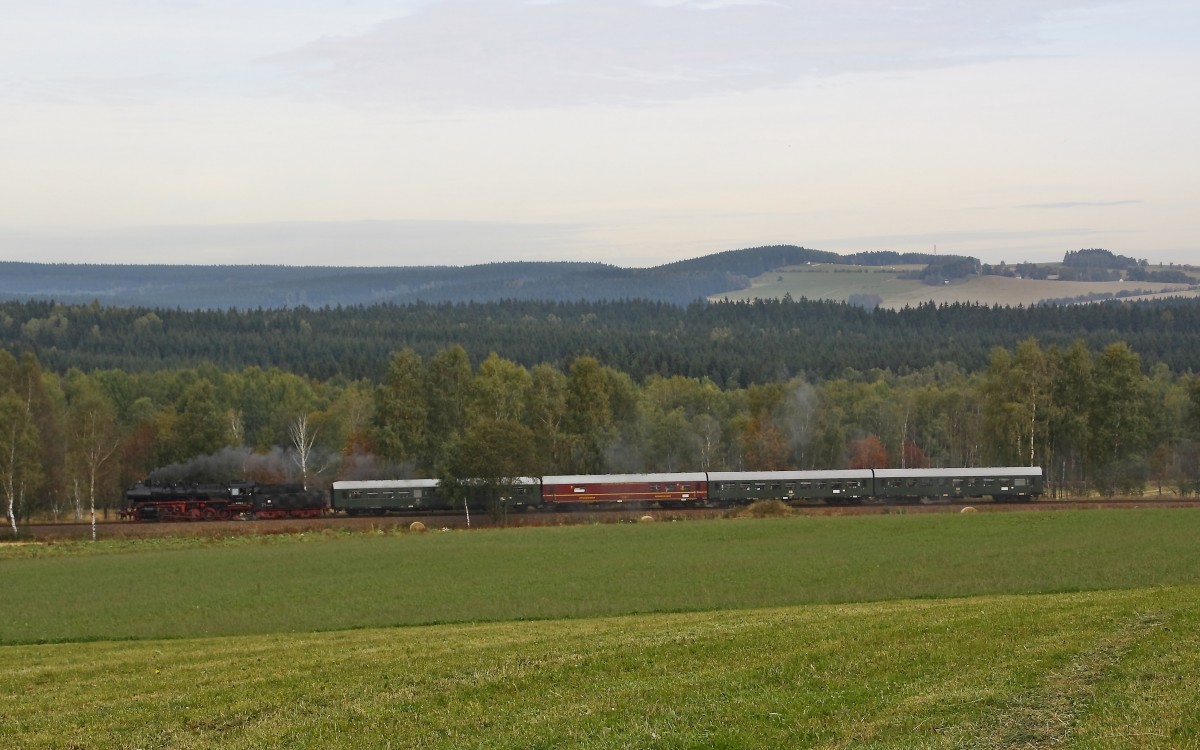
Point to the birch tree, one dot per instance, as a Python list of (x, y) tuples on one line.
[(18, 454), (1034, 383), (303, 436), (94, 439), (1017, 403)]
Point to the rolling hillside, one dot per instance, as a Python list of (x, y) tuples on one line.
[(841, 282), (250, 286), (868, 279)]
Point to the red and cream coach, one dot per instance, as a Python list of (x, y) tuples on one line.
[(677, 490)]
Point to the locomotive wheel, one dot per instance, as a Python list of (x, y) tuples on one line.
[(208, 514)]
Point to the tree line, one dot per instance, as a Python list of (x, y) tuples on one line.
[(1094, 420), (733, 344)]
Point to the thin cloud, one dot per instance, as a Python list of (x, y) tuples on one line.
[(960, 236), (1081, 204), (333, 243), (504, 53), (94, 90)]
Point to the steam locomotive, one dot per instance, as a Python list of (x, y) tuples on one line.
[(214, 502)]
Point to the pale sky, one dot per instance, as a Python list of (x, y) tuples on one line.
[(634, 132)]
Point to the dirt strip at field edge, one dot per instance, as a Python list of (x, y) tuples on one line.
[(397, 523)]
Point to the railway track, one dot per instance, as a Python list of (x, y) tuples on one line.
[(391, 523)]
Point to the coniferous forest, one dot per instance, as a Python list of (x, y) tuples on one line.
[(732, 344), (1104, 397)]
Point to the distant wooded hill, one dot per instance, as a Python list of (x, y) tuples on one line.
[(250, 287)]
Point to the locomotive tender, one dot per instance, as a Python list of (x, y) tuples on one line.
[(149, 502)]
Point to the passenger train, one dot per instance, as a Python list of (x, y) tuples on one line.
[(707, 489), (712, 489)]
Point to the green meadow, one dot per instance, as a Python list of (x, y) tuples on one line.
[(1049, 629), (841, 282)]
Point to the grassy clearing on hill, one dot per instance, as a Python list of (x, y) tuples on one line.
[(1091, 670), (824, 281), (317, 582)]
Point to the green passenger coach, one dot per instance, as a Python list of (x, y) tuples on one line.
[(377, 497), (1001, 483)]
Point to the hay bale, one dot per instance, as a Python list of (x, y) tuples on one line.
[(968, 509), (416, 526), (767, 509), (646, 519)]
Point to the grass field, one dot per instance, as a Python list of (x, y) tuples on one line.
[(823, 281), (1065, 629)]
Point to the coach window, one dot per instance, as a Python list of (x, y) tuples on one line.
[(1021, 482)]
